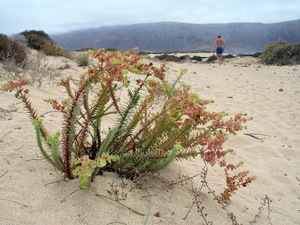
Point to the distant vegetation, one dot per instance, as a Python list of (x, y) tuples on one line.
[(15, 49), (281, 53), (23, 55), (214, 57), (112, 50), (55, 50), (211, 58), (11, 50), (175, 58), (41, 41), (37, 39)]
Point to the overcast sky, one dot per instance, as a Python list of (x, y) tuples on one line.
[(59, 16)]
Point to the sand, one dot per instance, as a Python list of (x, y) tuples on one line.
[(33, 192)]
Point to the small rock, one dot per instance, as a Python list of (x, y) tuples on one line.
[(281, 90)]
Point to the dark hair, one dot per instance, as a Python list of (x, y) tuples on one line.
[(219, 36)]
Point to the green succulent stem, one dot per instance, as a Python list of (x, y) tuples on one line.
[(54, 142), (36, 125)]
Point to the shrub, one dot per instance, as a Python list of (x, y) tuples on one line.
[(167, 57), (214, 57), (197, 58), (83, 60), (20, 39), (146, 136), (11, 50), (211, 58), (112, 50), (18, 52), (4, 46), (36, 39), (175, 58), (86, 49), (281, 53), (257, 54), (144, 53), (184, 57), (229, 56), (55, 50)]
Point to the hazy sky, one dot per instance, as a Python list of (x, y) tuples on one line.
[(59, 16)]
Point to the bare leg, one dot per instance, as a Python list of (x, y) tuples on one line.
[(219, 56), (221, 59)]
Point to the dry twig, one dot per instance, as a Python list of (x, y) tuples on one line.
[(19, 203), (254, 135), (265, 202)]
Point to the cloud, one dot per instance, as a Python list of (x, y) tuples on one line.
[(55, 16)]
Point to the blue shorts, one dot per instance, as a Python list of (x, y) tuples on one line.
[(219, 50)]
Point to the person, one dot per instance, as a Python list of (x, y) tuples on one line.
[(220, 47)]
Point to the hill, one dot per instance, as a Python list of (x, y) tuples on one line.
[(181, 37)]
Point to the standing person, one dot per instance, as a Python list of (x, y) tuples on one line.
[(220, 47)]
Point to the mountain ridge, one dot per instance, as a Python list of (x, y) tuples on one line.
[(181, 37)]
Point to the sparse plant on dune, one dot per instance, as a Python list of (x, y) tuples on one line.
[(34, 68), (83, 60), (146, 136)]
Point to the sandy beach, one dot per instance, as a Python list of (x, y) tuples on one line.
[(33, 192)]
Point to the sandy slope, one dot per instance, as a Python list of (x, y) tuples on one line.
[(32, 192)]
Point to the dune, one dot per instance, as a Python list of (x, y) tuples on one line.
[(33, 192)]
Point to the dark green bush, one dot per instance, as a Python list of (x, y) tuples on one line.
[(175, 58), (281, 53), (257, 54), (86, 49), (11, 50), (197, 58), (167, 57), (112, 50), (144, 53), (229, 56), (212, 58), (184, 57), (37, 39)]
